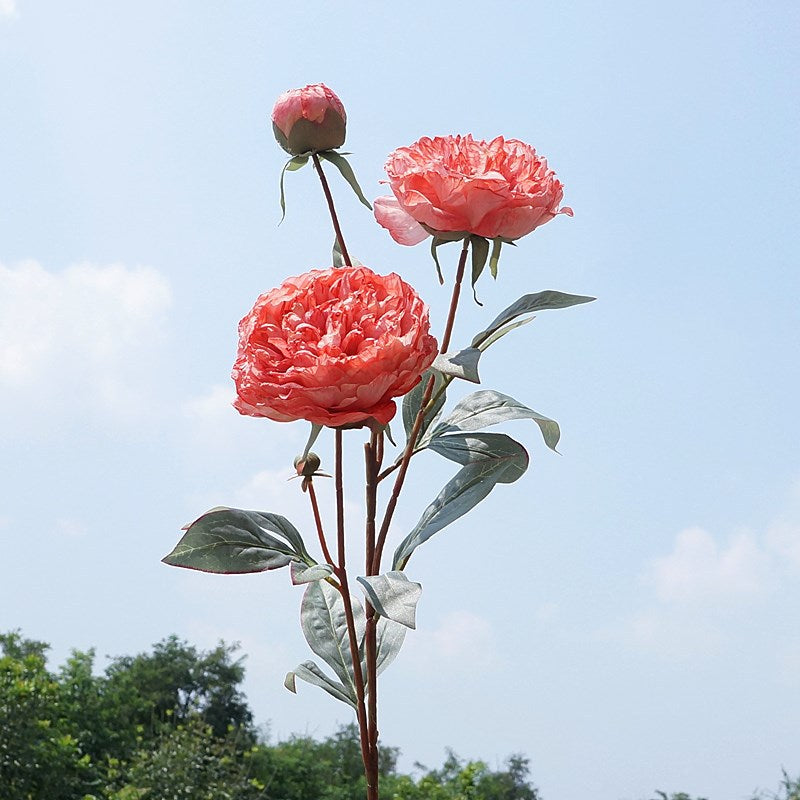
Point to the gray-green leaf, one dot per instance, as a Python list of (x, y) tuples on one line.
[(413, 400), (393, 596), (322, 618), (480, 252), (461, 364), (528, 304), (471, 484), (494, 259), (338, 256), (303, 573), (469, 448), (390, 636), (499, 334), (232, 541), (311, 673), (487, 407), (292, 165), (341, 163), (437, 242), (312, 437)]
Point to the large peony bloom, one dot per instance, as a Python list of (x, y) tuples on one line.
[(454, 184), (332, 347), (311, 118)]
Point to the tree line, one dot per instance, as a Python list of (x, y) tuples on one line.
[(173, 724)]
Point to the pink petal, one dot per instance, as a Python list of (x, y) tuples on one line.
[(403, 228)]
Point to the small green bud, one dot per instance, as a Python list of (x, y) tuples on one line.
[(309, 120), (307, 466)]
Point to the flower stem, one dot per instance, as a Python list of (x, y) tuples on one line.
[(371, 642), (341, 573), (412, 439), (318, 520), (451, 315), (373, 455), (329, 197)]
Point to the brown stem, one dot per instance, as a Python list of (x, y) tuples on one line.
[(332, 209), (451, 315), (318, 520), (341, 573), (373, 455), (372, 698), (412, 439)]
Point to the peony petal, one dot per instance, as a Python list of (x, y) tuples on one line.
[(497, 189), (402, 227), (332, 347)]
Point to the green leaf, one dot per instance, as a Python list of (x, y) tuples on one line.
[(487, 407), (412, 401), (324, 624), (393, 596), (311, 673), (390, 636), (303, 573), (437, 242), (461, 364), (471, 484), (480, 252), (232, 541), (292, 165), (486, 343), (495, 257), (341, 163), (469, 448), (528, 304), (338, 257), (312, 437)]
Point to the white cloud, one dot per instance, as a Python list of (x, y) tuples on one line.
[(461, 638), (8, 8), (671, 632), (700, 570), (707, 588), (701, 587), (87, 334), (272, 490), (214, 406), (783, 536), (789, 664), (213, 423), (70, 528), (546, 612), (214, 430)]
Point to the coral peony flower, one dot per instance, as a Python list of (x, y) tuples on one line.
[(311, 118), (454, 184), (332, 347)]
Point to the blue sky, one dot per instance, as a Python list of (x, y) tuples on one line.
[(626, 615)]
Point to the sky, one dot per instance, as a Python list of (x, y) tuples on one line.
[(626, 614)]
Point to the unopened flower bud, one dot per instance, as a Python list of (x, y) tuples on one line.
[(309, 119), (307, 466)]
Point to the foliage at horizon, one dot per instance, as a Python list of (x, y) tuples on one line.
[(173, 723)]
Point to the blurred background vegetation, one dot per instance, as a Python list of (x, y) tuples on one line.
[(173, 724)]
